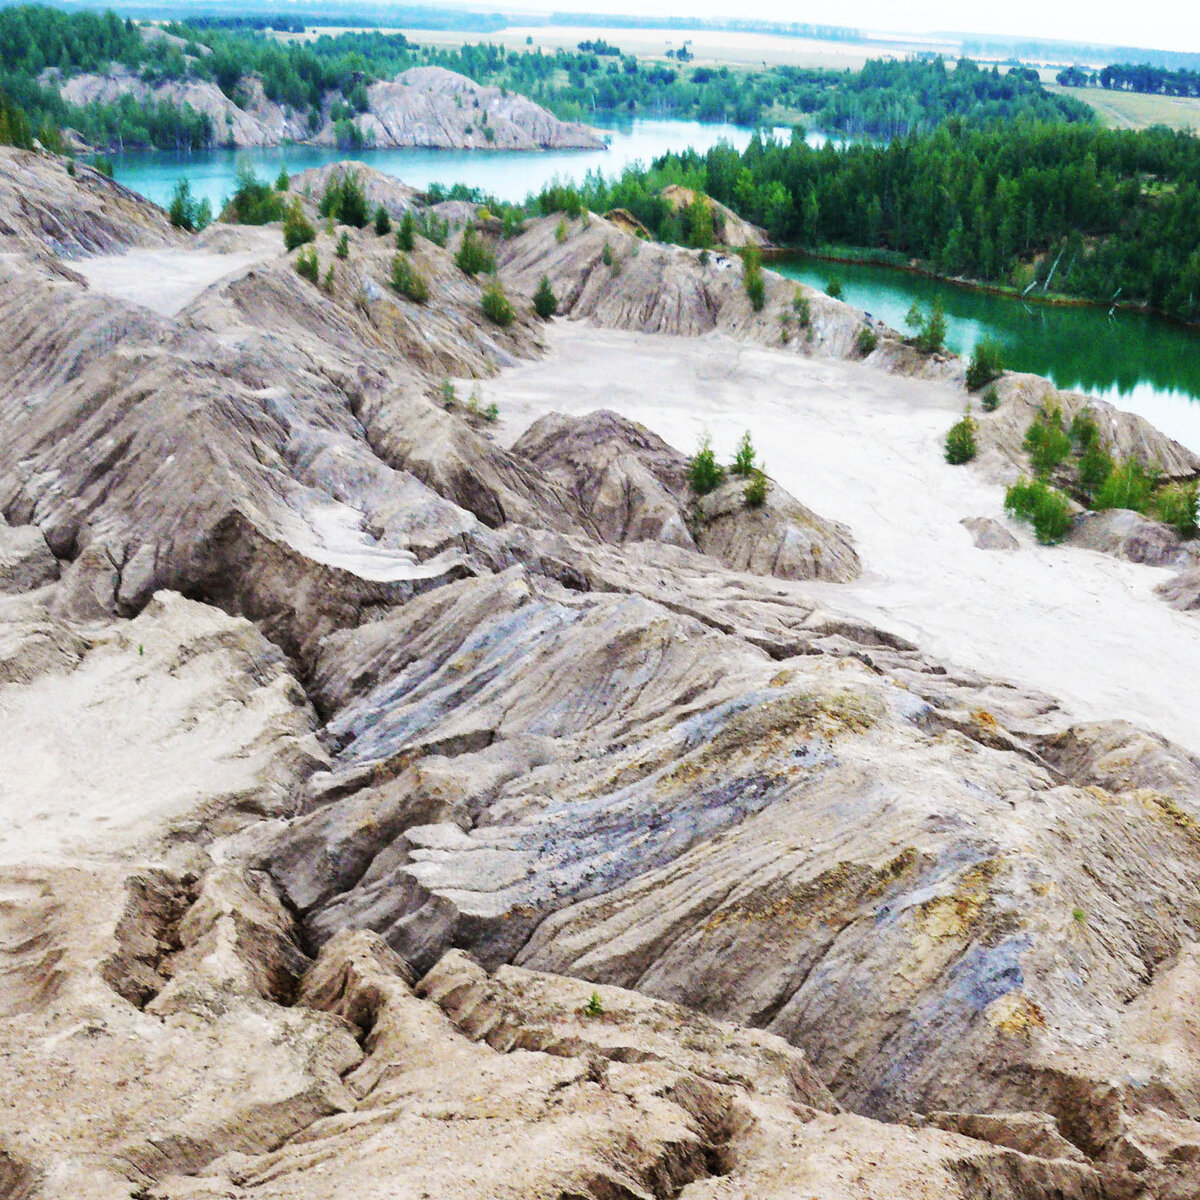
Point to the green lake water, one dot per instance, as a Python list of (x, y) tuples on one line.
[(1137, 362)]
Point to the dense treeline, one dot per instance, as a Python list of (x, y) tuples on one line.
[(14, 125), (1122, 77), (888, 98), (1102, 214)]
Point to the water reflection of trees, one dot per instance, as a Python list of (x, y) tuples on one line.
[(1080, 348)]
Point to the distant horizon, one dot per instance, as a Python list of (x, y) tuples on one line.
[(1155, 27)]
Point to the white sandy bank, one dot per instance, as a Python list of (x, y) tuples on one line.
[(865, 447), (167, 279)]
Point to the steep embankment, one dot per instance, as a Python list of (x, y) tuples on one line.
[(50, 213), (497, 698), (424, 106)]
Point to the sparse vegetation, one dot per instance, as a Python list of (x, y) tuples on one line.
[(593, 1006), (297, 228), (560, 231), (752, 277), (545, 302), (833, 287), (986, 365), (990, 401), (328, 282), (754, 494), (606, 255), (344, 199), (866, 341), (185, 211), (433, 228), (1130, 484), (744, 460), (802, 309), (1046, 508), (496, 305), (489, 412), (253, 202), (961, 445), (1047, 442), (1177, 505), (343, 246), (930, 335), (408, 281), (514, 223), (473, 257), (698, 221), (307, 266), (1095, 466), (406, 234), (704, 472)]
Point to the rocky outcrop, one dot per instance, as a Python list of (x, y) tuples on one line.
[(254, 121), (1183, 591), (1125, 434), (656, 288), (379, 189), (727, 862), (427, 107), (25, 560), (988, 534), (1130, 536), (635, 487), (257, 484), (436, 108)]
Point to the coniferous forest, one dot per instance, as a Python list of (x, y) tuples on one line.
[(1072, 209)]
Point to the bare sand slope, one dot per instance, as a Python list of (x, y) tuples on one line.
[(865, 448), (167, 279)]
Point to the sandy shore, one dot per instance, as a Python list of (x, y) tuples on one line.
[(865, 447)]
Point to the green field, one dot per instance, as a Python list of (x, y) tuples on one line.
[(711, 47), (1132, 110)]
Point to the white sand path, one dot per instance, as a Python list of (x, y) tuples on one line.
[(167, 279), (865, 447)]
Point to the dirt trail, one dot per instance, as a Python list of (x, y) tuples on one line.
[(167, 279)]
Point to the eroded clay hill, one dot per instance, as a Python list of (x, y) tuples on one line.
[(349, 753), (423, 106)]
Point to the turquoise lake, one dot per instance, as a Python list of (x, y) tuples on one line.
[(509, 175), (1138, 362)]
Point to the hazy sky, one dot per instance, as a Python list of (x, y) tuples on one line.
[(1171, 25)]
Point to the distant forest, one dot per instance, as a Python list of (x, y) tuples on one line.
[(1123, 77), (328, 76), (1104, 214), (1057, 52)]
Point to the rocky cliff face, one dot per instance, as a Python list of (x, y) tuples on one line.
[(427, 107), (437, 108), (393, 810)]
